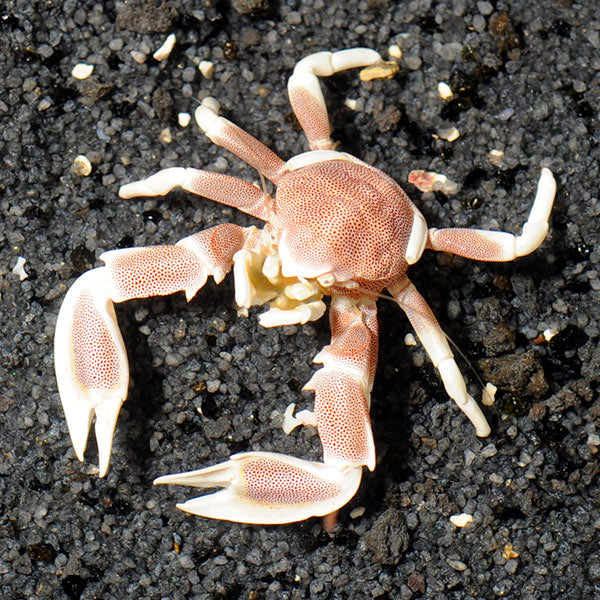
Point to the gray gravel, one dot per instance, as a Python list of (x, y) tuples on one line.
[(206, 384)]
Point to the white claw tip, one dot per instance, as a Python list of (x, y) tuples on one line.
[(482, 430), (547, 184)]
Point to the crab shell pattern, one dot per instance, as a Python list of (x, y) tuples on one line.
[(336, 227)]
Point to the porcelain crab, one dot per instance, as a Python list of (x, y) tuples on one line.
[(336, 227)]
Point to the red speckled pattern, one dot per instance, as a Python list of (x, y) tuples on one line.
[(248, 148), (95, 356), (312, 117), (217, 245), (345, 217), (354, 337), (343, 420), (271, 481), (154, 271), (469, 243), (231, 191)]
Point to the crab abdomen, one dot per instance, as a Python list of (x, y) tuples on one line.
[(342, 217)]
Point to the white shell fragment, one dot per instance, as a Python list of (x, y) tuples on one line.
[(549, 333), (496, 157), (461, 520), (444, 91), (19, 268), (82, 70), (409, 340), (165, 50), (165, 136), (395, 51), (184, 119), (350, 103), (206, 68), (357, 512), (81, 166), (429, 181), (489, 394)]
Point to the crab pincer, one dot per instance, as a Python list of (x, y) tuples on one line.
[(268, 488)]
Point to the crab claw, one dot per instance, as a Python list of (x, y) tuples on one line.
[(91, 364), (268, 488)]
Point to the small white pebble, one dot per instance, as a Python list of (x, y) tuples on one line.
[(207, 68), (444, 91), (350, 103), (138, 56), (184, 119), (549, 333), (81, 166), (461, 520), (449, 134), (19, 268), (82, 70), (409, 340), (489, 394), (165, 136), (357, 512), (496, 157), (395, 51), (165, 50)]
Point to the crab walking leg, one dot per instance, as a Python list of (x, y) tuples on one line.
[(343, 386), (306, 96), (268, 488), (90, 358), (224, 133), (436, 345), (500, 246), (224, 189)]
